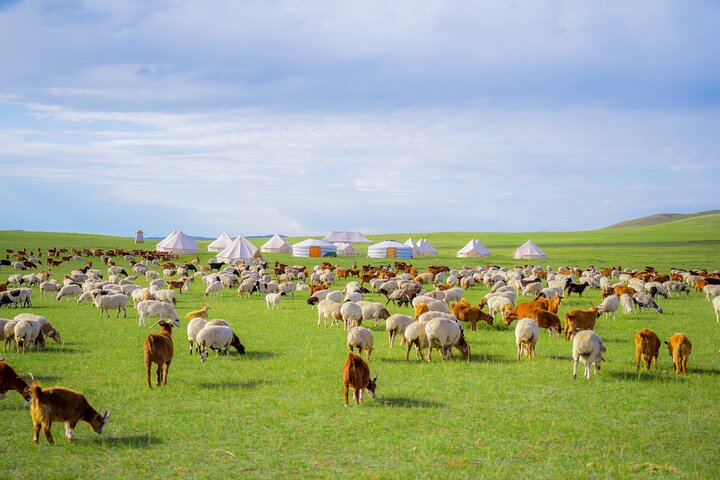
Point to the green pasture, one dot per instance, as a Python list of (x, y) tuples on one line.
[(278, 412)]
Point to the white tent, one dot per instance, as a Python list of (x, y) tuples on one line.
[(346, 237), (165, 241), (427, 247), (529, 250), (178, 243), (390, 249), (416, 250), (239, 249), (276, 245), (346, 249), (313, 247), (219, 245), (474, 249)]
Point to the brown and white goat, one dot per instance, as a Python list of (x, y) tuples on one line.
[(59, 404), (10, 380), (159, 349), (356, 375)]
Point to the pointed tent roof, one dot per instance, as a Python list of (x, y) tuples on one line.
[(346, 249), (474, 249), (276, 245), (219, 245), (179, 243), (417, 251), (239, 249), (346, 237), (166, 240), (427, 247), (529, 250)]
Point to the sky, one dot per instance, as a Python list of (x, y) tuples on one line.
[(300, 117)]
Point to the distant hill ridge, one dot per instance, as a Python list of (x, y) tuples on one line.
[(662, 218)]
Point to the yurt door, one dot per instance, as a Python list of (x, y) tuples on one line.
[(391, 252), (314, 251)]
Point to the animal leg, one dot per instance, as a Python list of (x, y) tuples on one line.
[(48, 433), (36, 431), (356, 395), (158, 374), (69, 432), (519, 351), (575, 363), (587, 370), (637, 361), (684, 364), (167, 367), (346, 388), (147, 370), (407, 352)]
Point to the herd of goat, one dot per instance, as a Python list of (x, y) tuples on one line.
[(436, 296)]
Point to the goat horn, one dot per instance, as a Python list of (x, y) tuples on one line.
[(31, 376), (155, 323)]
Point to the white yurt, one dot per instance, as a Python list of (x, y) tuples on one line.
[(346, 249), (417, 252), (220, 243), (276, 245), (162, 243), (474, 249), (314, 247), (346, 237), (178, 244), (427, 247), (390, 249), (529, 250), (239, 249)]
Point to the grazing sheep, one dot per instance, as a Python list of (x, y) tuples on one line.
[(28, 333), (141, 294), (329, 309), (106, 302), (627, 303), (193, 328), (9, 333), (362, 339), (72, 290), (374, 310), (647, 346), (499, 304), (453, 295), (609, 305), (356, 375), (352, 314), (395, 325), (646, 301), (202, 313), (272, 300), (527, 333), (166, 295), (716, 307), (214, 289), (42, 323), (444, 334), (587, 347), (154, 308), (59, 404), (680, 348), (49, 287), (217, 337), (353, 297), (159, 349), (415, 335)]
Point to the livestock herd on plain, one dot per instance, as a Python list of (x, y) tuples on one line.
[(436, 295)]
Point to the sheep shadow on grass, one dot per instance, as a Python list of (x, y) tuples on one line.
[(260, 355), (402, 402), (245, 385), (645, 376), (142, 440), (486, 358)]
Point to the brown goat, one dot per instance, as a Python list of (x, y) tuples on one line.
[(202, 313), (647, 346), (547, 320), (679, 347), (317, 288), (356, 375), (10, 380), (159, 349), (467, 313), (577, 320), (525, 309), (59, 404)]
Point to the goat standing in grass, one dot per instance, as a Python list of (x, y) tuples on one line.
[(159, 349)]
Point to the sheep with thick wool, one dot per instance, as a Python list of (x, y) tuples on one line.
[(609, 305), (362, 339), (72, 290), (193, 328), (587, 347), (107, 302), (444, 334), (395, 326), (352, 314), (527, 333), (155, 308), (329, 309)]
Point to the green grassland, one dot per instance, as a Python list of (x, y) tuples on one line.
[(277, 412)]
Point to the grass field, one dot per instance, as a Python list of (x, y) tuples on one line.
[(277, 412)]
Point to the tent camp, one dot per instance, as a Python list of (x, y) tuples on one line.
[(276, 245), (390, 249), (239, 249), (162, 243), (346, 249), (529, 250), (474, 249), (427, 247), (346, 237), (219, 245), (178, 243), (417, 252), (313, 247)]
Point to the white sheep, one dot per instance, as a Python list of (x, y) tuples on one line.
[(272, 300), (158, 282), (214, 289), (26, 333), (497, 304), (71, 290), (141, 294), (716, 307), (352, 287), (167, 296), (193, 328), (609, 305), (434, 305), (353, 297), (527, 333), (627, 303), (335, 296), (352, 314), (587, 347), (427, 316), (362, 339), (415, 335), (218, 337), (711, 291), (395, 325), (155, 308), (127, 289), (532, 289), (152, 275), (444, 334), (289, 288), (49, 287), (374, 310), (550, 292), (453, 295), (106, 302), (329, 309)]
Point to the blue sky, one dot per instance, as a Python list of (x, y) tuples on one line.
[(304, 116)]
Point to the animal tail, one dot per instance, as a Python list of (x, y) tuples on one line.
[(36, 391)]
